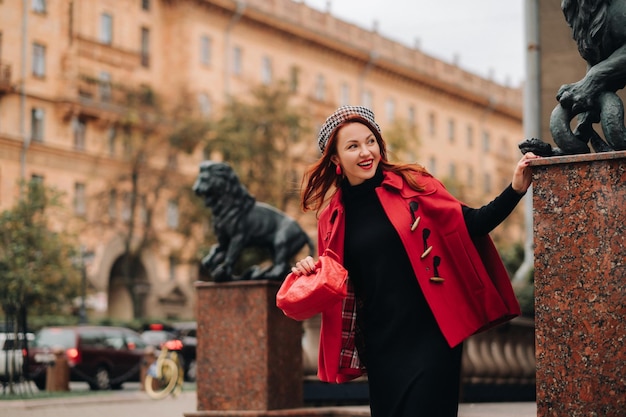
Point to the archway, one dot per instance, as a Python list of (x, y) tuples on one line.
[(128, 289)]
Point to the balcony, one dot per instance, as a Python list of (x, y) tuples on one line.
[(98, 96), (106, 101)]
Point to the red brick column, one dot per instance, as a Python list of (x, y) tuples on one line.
[(249, 353), (580, 284)]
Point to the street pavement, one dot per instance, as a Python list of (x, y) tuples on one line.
[(132, 402)]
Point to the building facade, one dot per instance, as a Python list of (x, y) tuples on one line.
[(63, 64)]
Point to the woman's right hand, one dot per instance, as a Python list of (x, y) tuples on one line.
[(305, 266)]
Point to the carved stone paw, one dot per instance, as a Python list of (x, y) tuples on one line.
[(222, 273), (577, 97)]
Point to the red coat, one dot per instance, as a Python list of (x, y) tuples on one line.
[(469, 292)]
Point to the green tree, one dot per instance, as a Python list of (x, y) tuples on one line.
[(37, 276), (257, 138), (37, 261)]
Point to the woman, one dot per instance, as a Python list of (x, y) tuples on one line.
[(423, 272)]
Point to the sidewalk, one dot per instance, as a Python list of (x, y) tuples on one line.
[(187, 403)]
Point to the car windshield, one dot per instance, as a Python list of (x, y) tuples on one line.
[(55, 337), (156, 337)]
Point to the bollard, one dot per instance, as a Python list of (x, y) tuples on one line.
[(58, 373), (149, 357)]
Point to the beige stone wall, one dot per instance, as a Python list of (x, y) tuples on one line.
[(291, 35), (560, 61)]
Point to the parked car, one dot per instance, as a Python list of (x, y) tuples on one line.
[(156, 338), (103, 356), (12, 355)]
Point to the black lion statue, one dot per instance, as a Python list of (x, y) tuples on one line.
[(599, 29), (240, 222)]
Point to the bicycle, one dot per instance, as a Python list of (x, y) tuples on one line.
[(166, 375)]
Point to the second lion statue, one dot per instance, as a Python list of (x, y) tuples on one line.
[(239, 221), (599, 29)]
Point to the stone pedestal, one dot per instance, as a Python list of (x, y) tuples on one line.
[(249, 353), (580, 284)]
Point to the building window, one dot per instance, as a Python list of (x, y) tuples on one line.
[(106, 28), (451, 131), (36, 181), (127, 205), (145, 47), (112, 139), (432, 124), (206, 152), (204, 102), (113, 204), (172, 160), (266, 70), (172, 214), (105, 86), (344, 99), (411, 116), (390, 109), (79, 128), (452, 172), (39, 60), (367, 99), (432, 165), (39, 6), (294, 79), (504, 147), (205, 50), (237, 60), (80, 207), (470, 137), (145, 5), (173, 266), (470, 176), (127, 143), (320, 88), (486, 142), (143, 209), (37, 118), (487, 183)]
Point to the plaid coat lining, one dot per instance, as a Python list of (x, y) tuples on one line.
[(349, 357)]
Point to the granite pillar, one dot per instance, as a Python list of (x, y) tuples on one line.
[(580, 284), (249, 353)]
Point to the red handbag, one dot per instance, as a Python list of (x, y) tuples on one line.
[(302, 297)]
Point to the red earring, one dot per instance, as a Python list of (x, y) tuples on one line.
[(338, 170)]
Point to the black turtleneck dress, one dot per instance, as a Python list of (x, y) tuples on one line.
[(412, 371)]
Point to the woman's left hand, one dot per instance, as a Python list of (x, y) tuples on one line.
[(522, 176)]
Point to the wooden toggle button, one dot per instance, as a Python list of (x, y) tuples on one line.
[(415, 223)]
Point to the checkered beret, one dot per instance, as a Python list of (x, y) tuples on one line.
[(340, 115)]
